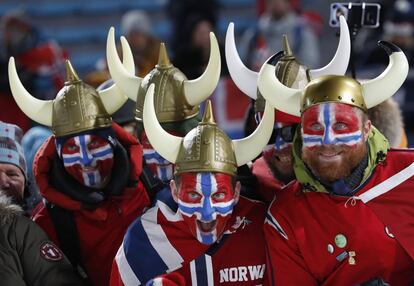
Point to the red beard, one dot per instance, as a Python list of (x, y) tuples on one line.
[(280, 162), (333, 162)]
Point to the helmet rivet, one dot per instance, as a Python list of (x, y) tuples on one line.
[(206, 141), (340, 97), (77, 124), (73, 103), (206, 163)]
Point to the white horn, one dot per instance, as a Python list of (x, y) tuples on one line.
[(38, 110), (165, 144), (386, 84), (112, 97), (339, 63), (199, 89), (244, 78), (125, 80), (250, 147), (281, 97)]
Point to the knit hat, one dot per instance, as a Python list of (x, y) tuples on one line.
[(11, 151)]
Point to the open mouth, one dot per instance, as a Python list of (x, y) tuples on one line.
[(206, 227)]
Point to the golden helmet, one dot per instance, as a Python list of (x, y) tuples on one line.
[(206, 148), (334, 88), (176, 97), (77, 107)]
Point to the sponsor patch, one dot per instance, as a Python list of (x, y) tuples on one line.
[(50, 252)]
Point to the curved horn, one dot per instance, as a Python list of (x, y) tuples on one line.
[(199, 89), (112, 97), (339, 63), (248, 148), (38, 110), (165, 144), (243, 77), (386, 84), (281, 97), (125, 80)]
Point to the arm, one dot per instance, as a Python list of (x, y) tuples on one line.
[(285, 264), (42, 262)]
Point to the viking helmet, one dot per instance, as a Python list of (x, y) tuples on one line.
[(206, 148), (339, 89), (77, 107), (176, 97), (289, 71)]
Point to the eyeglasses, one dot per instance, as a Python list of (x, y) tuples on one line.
[(286, 133)]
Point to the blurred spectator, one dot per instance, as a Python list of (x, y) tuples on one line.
[(193, 55), (38, 59), (278, 19), (31, 142), (179, 12), (136, 27)]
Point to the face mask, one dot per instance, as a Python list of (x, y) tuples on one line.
[(331, 124), (206, 201), (89, 159)]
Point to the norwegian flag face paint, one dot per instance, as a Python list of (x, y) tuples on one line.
[(159, 167), (331, 124), (206, 201), (89, 159)]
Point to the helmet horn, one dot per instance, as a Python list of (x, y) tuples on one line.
[(199, 89), (339, 63), (248, 148), (38, 110), (386, 84), (127, 81), (112, 97), (167, 145), (281, 97), (243, 77)]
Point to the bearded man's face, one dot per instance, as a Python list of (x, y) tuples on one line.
[(334, 139)]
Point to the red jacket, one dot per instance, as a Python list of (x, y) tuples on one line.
[(268, 185), (316, 238), (100, 230)]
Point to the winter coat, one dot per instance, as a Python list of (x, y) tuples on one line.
[(27, 256)]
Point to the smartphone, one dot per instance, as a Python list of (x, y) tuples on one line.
[(356, 14)]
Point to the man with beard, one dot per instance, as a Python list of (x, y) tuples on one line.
[(88, 173), (347, 220), (203, 229)]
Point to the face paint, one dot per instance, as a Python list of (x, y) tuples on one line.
[(206, 201), (331, 124), (89, 159), (333, 142), (158, 166)]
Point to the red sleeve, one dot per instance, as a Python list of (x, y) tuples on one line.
[(285, 264), (115, 277)]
